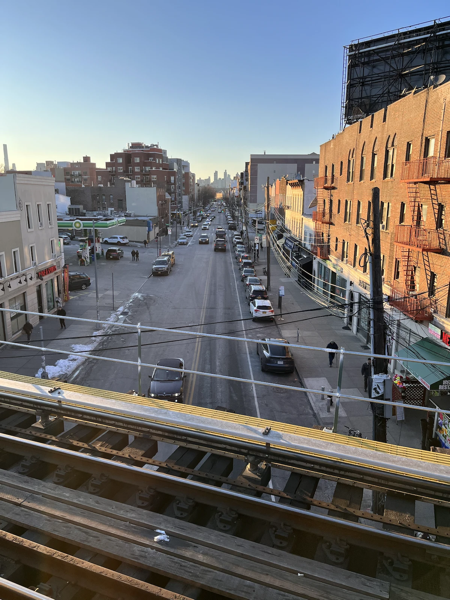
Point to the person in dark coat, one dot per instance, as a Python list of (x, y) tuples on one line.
[(133, 255), (28, 329), (331, 355), (136, 255), (61, 313), (366, 372)]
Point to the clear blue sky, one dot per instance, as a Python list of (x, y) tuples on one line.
[(211, 82)]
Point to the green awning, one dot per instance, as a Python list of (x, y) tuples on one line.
[(432, 377)]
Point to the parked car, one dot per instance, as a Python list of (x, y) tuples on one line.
[(243, 256), (171, 255), (232, 225), (220, 245), (188, 233), (246, 264), (252, 281), (114, 253), (78, 281), (237, 240), (162, 266), (183, 241), (203, 239), (65, 238), (165, 384), (256, 292), (239, 250), (120, 240), (194, 224), (275, 358), (261, 309), (247, 272)]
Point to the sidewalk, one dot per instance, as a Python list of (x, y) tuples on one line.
[(318, 329)]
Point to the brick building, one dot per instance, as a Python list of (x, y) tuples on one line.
[(80, 173), (404, 150)]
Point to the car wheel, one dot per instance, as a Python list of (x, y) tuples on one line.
[(84, 286)]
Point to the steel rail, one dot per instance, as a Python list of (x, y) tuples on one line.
[(12, 591), (255, 441), (299, 519), (201, 334)]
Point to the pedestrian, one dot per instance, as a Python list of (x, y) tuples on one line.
[(61, 313), (28, 329), (137, 255), (133, 255), (331, 355), (366, 372), (145, 243)]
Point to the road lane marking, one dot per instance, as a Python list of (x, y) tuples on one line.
[(258, 414), (198, 341)]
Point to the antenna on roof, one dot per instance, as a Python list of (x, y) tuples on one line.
[(436, 79)]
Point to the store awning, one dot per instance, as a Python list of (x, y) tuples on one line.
[(432, 377)]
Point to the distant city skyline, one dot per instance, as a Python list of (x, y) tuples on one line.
[(282, 97)]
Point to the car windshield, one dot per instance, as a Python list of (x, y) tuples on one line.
[(253, 280), (160, 262), (164, 375), (278, 350)]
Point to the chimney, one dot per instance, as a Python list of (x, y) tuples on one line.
[(5, 155), (86, 159)]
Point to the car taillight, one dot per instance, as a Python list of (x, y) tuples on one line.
[(257, 310), (271, 310)]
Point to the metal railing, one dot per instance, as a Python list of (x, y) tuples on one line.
[(426, 169), (418, 237), (326, 182), (323, 215), (416, 307)]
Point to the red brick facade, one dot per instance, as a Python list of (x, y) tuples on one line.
[(403, 150)]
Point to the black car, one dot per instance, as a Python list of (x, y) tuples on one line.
[(165, 384), (275, 358), (256, 292), (114, 253), (203, 239), (78, 281), (162, 266), (232, 225), (220, 245)]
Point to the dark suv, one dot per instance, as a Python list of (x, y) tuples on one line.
[(78, 281), (114, 253), (220, 245), (162, 266), (165, 384), (275, 358)]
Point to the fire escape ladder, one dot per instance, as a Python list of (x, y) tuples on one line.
[(414, 201), (409, 262), (427, 266), (437, 216)]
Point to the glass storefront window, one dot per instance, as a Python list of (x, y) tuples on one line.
[(49, 290), (17, 319)]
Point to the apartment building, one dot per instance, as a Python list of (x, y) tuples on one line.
[(82, 173), (31, 256), (404, 150)]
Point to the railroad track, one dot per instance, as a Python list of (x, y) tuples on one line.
[(84, 497)]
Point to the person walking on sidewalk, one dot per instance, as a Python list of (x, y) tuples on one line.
[(137, 256), (28, 329), (331, 355), (133, 255), (61, 313), (366, 372), (145, 243)]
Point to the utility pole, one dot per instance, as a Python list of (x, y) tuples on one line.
[(378, 341), (267, 232)]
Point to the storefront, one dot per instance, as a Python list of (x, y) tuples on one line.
[(51, 287), (17, 319)]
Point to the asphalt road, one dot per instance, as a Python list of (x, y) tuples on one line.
[(203, 293)]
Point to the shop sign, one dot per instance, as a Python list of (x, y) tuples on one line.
[(424, 383), (364, 285), (434, 331), (446, 338), (443, 429), (289, 243), (445, 384), (46, 272)]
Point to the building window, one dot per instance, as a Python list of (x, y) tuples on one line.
[(39, 215), (336, 244), (137, 169), (111, 198), (49, 289), (350, 165), (130, 170), (401, 217), (138, 177), (358, 212), (428, 149), (408, 152), (3, 272), (29, 217), (153, 177), (371, 121), (17, 319), (373, 162), (360, 126), (344, 251), (49, 214), (99, 177), (440, 216), (119, 160), (432, 285), (385, 215), (339, 206), (385, 114), (389, 158), (355, 256), (447, 146), (341, 168), (16, 260), (382, 264), (362, 168), (348, 211), (33, 258), (120, 169), (52, 248), (396, 269), (137, 159)]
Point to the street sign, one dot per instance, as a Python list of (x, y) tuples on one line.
[(281, 290), (169, 230)]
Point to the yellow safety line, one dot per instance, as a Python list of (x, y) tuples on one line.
[(331, 438)]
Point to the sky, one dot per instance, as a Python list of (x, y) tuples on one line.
[(211, 82)]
